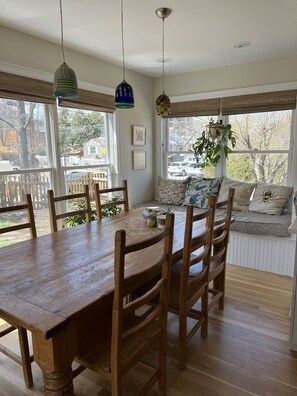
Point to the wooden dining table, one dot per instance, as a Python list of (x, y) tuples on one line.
[(60, 286)]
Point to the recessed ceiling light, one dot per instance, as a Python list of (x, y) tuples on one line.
[(242, 44), (166, 60)]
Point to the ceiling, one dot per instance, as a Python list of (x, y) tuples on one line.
[(199, 34)]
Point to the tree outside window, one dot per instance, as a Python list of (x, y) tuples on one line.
[(262, 148)]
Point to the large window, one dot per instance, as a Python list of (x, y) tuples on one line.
[(262, 147), (35, 157), (182, 134), (263, 142)]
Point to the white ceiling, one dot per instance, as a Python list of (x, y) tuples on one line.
[(199, 34)]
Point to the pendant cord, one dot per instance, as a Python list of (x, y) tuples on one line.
[(62, 33), (163, 59), (122, 28)]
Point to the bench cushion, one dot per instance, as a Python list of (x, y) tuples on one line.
[(248, 222)]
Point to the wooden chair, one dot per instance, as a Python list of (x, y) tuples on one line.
[(186, 290), (217, 270), (116, 200), (25, 359), (52, 200), (136, 326)]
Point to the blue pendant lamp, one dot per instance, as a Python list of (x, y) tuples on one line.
[(124, 96), (163, 106), (65, 82)]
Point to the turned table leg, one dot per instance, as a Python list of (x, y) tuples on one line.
[(54, 356)]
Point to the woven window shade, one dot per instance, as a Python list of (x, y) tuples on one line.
[(89, 100), (24, 88), (255, 103), (270, 101), (29, 89), (195, 108)]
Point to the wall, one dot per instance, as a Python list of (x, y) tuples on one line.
[(248, 75), (24, 54)]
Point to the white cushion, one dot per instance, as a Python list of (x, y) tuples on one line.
[(243, 192), (270, 198)]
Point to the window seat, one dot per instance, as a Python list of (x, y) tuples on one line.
[(246, 222)]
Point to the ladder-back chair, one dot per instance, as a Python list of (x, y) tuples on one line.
[(186, 290), (25, 359), (52, 200), (136, 326), (220, 241), (103, 202), (217, 270)]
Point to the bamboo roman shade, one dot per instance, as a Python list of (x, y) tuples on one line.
[(253, 103), (24, 88), (195, 108)]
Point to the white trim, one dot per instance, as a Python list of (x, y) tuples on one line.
[(235, 92), (40, 75)]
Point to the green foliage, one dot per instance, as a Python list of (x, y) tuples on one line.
[(208, 149), (76, 128), (81, 219)]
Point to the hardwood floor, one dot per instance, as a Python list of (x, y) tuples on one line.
[(246, 352)]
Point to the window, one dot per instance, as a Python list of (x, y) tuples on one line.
[(34, 157), (262, 147), (182, 133)]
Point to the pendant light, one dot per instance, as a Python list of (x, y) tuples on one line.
[(65, 83), (163, 101), (124, 96)]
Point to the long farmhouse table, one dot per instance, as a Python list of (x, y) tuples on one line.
[(59, 286)]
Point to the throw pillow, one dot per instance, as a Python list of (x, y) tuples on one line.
[(199, 190), (243, 192), (270, 198), (171, 192)]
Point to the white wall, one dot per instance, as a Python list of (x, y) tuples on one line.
[(24, 54)]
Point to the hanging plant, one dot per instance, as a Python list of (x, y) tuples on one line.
[(213, 142)]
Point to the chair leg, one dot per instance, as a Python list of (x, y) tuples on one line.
[(182, 340), (25, 356), (162, 366), (204, 311), (222, 288), (116, 385)]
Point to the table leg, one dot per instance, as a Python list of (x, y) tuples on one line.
[(54, 356)]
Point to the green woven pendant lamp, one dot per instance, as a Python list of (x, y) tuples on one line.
[(65, 82)]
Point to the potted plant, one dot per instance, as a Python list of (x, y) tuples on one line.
[(213, 142)]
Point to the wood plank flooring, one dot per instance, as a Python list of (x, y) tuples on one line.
[(246, 352)]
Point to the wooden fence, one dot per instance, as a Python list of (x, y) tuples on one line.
[(13, 188)]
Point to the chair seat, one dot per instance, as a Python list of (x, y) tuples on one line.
[(215, 268), (192, 290), (98, 359)]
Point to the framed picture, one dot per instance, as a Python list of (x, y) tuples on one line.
[(138, 135), (139, 159)]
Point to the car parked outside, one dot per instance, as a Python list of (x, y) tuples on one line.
[(178, 168), (193, 170)]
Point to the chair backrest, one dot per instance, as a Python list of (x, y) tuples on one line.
[(200, 241), (129, 319), (101, 194), (30, 224), (222, 228), (52, 200)]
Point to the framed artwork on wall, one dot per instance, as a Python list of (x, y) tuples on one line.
[(138, 135), (139, 159)]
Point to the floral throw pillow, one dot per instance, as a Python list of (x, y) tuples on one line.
[(199, 190), (171, 192)]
